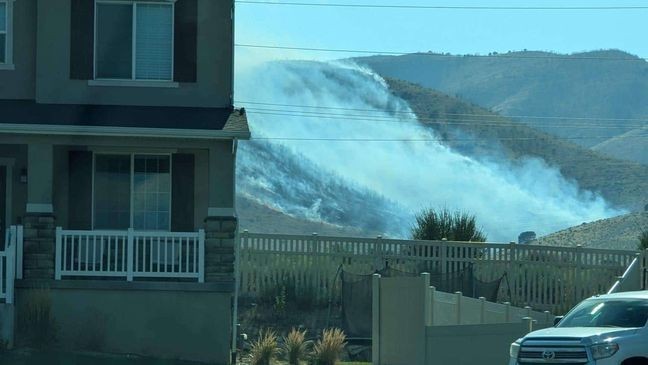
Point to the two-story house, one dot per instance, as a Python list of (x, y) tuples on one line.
[(117, 154)]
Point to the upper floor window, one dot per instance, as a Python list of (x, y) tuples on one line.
[(5, 31), (134, 40)]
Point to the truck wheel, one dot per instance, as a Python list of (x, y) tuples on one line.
[(635, 361)]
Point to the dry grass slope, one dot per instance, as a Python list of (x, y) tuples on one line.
[(619, 233)]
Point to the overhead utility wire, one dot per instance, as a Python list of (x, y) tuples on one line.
[(338, 139), (405, 112), (439, 55), (425, 120), (442, 7)]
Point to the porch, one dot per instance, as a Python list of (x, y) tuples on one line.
[(119, 208)]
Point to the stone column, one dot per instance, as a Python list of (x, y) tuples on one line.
[(221, 223), (220, 235), (39, 222)]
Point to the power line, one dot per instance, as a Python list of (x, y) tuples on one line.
[(430, 120), (338, 139), (406, 112), (440, 7), (440, 55)]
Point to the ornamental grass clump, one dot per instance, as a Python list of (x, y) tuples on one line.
[(295, 347), (329, 348), (265, 349)]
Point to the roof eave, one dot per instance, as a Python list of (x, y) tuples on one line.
[(103, 131)]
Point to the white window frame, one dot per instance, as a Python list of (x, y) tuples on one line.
[(132, 184), (137, 82), (8, 64)]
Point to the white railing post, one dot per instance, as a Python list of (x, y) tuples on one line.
[(19, 251), (130, 254), (58, 254), (201, 256), (11, 270)]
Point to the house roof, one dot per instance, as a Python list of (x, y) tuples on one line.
[(27, 116)]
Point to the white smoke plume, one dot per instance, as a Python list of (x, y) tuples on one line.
[(340, 180)]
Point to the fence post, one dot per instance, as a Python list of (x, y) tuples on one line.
[(444, 254), (459, 299), (378, 262), (201, 259), (315, 245), (432, 291), (375, 319), (577, 274), (58, 253), (129, 255), (511, 272), (482, 310), (427, 305), (548, 318), (11, 269), (19, 252), (507, 311)]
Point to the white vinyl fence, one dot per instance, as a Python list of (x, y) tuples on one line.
[(8, 264), (543, 277), (130, 254)]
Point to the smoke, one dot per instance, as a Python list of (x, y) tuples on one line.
[(373, 169)]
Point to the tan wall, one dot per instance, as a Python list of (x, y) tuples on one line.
[(417, 325), (190, 325), (20, 82), (472, 344), (214, 63)]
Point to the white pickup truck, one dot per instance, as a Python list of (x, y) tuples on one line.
[(603, 330)]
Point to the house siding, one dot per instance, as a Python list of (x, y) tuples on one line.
[(214, 63), (173, 323), (19, 83)]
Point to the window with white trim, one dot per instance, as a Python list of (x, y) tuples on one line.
[(132, 190), (6, 9), (134, 40)]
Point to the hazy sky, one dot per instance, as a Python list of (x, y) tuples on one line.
[(454, 31)]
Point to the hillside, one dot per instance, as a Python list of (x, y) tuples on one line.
[(601, 84), (631, 146), (258, 218), (619, 233), (622, 183)]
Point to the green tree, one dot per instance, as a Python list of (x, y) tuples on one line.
[(643, 240), (432, 224)]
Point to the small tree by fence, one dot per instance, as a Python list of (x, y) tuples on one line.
[(543, 277)]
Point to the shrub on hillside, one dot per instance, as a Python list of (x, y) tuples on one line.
[(643, 240), (434, 224)]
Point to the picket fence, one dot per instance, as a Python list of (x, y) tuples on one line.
[(543, 277)]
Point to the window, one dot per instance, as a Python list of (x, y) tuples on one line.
[(132, 190), (134, 40), (6, 7)]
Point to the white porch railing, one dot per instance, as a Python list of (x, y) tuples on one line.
[(130, 254), (7, 265)]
